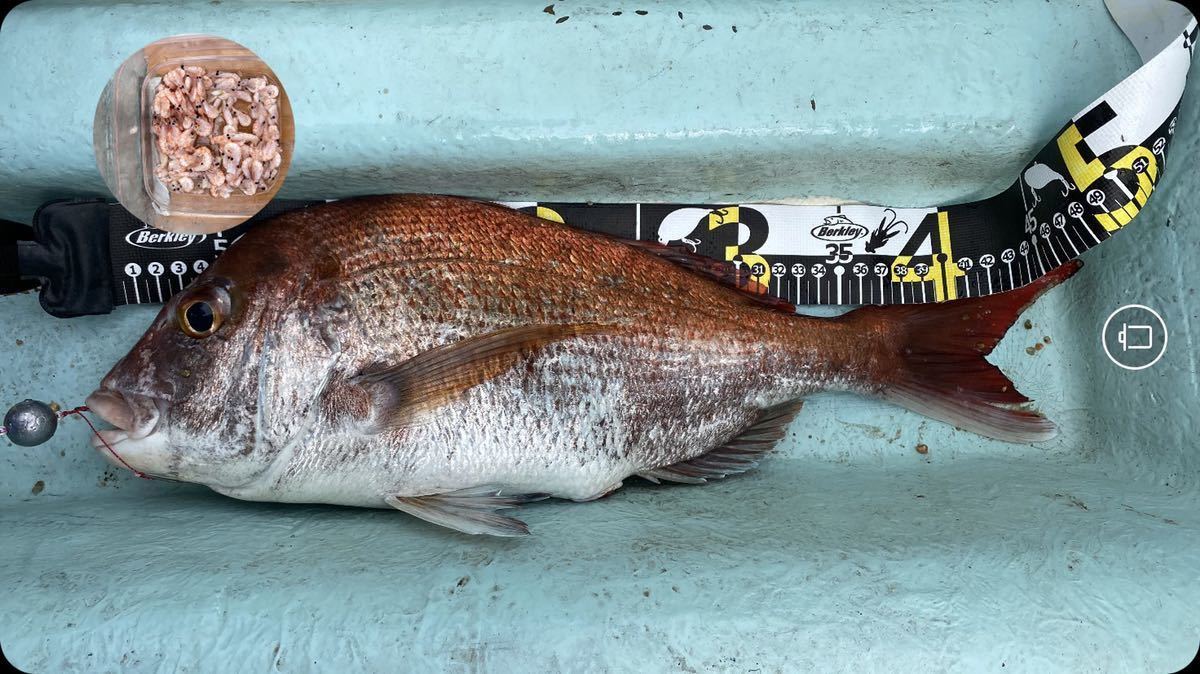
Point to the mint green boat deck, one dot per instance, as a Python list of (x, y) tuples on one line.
[(846, 551)]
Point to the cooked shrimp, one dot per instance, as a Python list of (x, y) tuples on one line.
[(201, 136)]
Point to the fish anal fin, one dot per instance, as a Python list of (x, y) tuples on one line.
[(472, 511), (724, 273), (405, 394), (736, 456)]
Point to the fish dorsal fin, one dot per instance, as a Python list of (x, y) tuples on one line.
[(736, 456), (725, 273), (472, 511), (405, 394)]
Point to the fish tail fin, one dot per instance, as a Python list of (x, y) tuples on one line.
[(933, 360)]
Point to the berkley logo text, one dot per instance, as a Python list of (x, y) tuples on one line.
[(838, 228), (153, 239)]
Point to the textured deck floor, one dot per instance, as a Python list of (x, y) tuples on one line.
[(972, 565)]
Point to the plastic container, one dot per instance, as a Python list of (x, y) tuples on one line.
[(126, 151)]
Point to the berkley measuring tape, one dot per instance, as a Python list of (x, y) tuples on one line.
[(1089, 182), (1085, 185)]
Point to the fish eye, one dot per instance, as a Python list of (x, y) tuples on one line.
[(203, 313), (199, 318)]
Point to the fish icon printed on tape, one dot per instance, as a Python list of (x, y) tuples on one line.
[(684, 226), (1036, 178), (1039, 176)]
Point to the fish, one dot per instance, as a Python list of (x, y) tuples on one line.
[(456, 360)]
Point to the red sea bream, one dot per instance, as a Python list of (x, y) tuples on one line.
[(454, 359)]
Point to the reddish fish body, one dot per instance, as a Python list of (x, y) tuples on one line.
[(452, 358)]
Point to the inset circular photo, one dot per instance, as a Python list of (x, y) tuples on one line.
[(194, 134)]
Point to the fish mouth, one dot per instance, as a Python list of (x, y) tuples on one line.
[(135, 415), (137, 442)]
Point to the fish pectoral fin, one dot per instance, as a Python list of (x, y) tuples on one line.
[(405, 394), (736, 456), (471, 511)]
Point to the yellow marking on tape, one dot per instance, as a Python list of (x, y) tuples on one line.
[(722, 216), (948, 269), (1147, 180), (938, 271), (750, 260), (1084, 173), (549, 214), (731, 215)]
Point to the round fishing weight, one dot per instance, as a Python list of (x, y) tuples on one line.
[(33, 422), (30, 422)]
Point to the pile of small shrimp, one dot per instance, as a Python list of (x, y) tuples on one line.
[(216, 133)]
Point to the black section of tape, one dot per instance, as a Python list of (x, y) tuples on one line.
[(69, 256), (148, 265), (12, 236)]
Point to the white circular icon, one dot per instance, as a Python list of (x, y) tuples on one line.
[(178, 268), (155, 268), (200, 266), (133, 269), (1138, 342)]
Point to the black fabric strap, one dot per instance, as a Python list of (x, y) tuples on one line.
[(88, 256), (12, 235)]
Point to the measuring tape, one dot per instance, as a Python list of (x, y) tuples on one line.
[(1089, 182)]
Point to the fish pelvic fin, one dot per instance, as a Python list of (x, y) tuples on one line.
[(407, 394), (736, 456), (933, 360), (475, 510)]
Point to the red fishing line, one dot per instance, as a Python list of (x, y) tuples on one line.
[(84, 408)]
